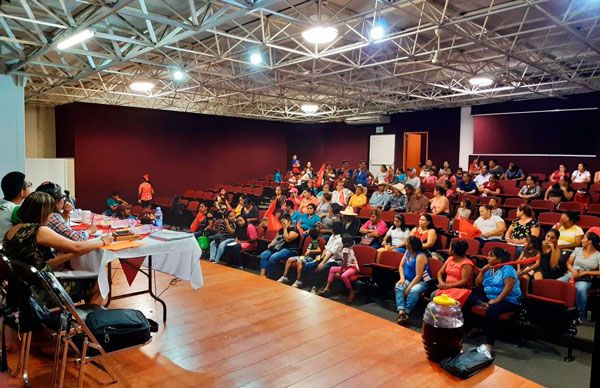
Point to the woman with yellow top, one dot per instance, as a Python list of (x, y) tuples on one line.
[(358, 199)]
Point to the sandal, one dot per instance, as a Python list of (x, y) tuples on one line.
[(323, 292), (402, 318), (351, 297)]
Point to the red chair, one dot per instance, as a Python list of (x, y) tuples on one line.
[(385, 272), (257, 191), (189, 193), (439, 221), (253, 182), (578, 186), (513, 203), (594, 209), (594, 197), (541, 177), (434, 267), (411, 219), (472, 198), (548, 218), (441, 242), (544, 186), (571, 206), (510, 191), (507, 183), (192, 206), (595, 188), (137, 210), (364, 212), (365, 256), (552, 306), (428, 194), (489, 245), (305, 243), (511, 215), (587, 221), (428, 187), (388, 216), (541, 205), (198, 194), (247, 190)]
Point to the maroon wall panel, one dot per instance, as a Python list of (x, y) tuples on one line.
[(114, 146)]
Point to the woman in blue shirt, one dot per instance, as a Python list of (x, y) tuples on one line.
[(501, 292), (414, 272)]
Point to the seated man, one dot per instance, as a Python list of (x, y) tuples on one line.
[(465, 185), (531, 190), (359, 199), (482, 177), (112, 204), (397, 201), (341, 194), (379, 198), (412, 178), (15, 189), (417, 203)]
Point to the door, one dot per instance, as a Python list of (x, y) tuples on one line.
[(416, 149), (382, 150)]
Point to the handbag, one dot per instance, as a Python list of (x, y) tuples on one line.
[(277, 244), (366, 240), (467, 364), (32, 312), (203, 242)]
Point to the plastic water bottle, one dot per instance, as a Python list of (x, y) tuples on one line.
[(158, 218)]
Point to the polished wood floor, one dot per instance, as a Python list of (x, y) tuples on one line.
[(243, 330)]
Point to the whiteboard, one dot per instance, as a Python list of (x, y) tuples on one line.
[(59, 171), (382, 149)]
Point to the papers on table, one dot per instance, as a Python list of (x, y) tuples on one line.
[(170, 235)]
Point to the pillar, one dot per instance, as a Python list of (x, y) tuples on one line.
[(12, 124), (466, 137)]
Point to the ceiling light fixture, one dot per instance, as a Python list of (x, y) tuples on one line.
[(309, 109), (377, 33), (178, 75), (256, 59), (320, 34), (76, 38), (142, 85), (481, 81)]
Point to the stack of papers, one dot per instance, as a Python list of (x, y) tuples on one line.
[(170, 235)]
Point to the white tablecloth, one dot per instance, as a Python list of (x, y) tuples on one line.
[(180, 258)]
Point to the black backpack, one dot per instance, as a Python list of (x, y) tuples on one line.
[(119, 328)]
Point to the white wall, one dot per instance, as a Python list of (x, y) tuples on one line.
[(467, 137), (60, 171)]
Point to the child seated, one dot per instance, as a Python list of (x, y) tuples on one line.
[(312, 254), (344, 272), (124, 212)]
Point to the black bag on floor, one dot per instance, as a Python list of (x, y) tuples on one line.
[(119, 328), (466, 364)]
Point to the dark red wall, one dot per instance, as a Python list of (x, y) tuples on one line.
[(335, 142), (114, 146)]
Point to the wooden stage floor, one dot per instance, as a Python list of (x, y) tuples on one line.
[(243, 330)]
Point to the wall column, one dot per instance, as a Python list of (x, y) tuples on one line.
[(466, 137), (12, 124)]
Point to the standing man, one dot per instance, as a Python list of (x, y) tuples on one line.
[(362, 176)]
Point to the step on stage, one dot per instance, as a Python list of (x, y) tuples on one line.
[(240, 329)]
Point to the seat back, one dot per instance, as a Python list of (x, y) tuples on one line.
[(541, 177), (556, 290), (595, 188), (434, 267), (587, 221), (192, 206), (514, 202), (507, 183), (571, 206), (441, 242), (472, 198), (548, 218), (511, 249), (391, 258), (473, 245), (510, 191), (388, 216), (365, 255), (411, 219), (594, 209), (439, 221), (543, 205), (364, 212), (189, 193), (552, 305)]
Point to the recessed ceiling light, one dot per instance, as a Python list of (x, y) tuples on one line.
[(178, 75), (256, 59), (75, 39), (141, 85), (481, 81), (320, 34), (377, 33), (309, 109)]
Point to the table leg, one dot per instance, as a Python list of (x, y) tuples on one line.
[(152, 292), (109, 297)]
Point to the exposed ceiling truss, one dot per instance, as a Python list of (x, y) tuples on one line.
[(530, 48)]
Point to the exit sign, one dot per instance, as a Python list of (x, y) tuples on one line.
[(378, 129)]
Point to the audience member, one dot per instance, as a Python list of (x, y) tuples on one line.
[(346, 270), (501, 293), (454, 278), (351, 221), (15, 189), (494, 168), (582, 267), (531, 189), (345, 173), (417, 202), (561, 191), (332, 255), (513, 172), (327, 221), (397, 201), (284, 245), (324, 205), (325, 189), (240, 205), (482, 177), (549, 265), (380, 198), (309, 220), (413, 270), (381, 176), (445, 169), (425, 232), (570, 234), (491, 226), (373, 230), (426, 168), (359, 198), (531, 250), (277, 177), (295, 165), (145, 191), (224, 236), (521, 228), (412, 178), (311, 254), (581, 175), (341, 194), (440, 205), (464, 210), (396, 237), (250, 212), (495, 205), (245, 233), (222, 199), (557, 174), (401, 175), (491, 187), (112, 204), (465, 185), (431, 177), (362, 176)]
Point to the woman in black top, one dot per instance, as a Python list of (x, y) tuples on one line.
[(561, 191), (549, 264)]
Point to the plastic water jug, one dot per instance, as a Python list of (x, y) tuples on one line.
[(443, 328)]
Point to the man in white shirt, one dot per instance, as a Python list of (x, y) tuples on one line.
[(15, 189), (341, 194), (412, 178), (491, 226), (482, 177)]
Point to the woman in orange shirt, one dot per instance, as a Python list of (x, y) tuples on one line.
[(145, 191)]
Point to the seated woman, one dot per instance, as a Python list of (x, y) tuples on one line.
[(445, 169), (309, 220), (58, 220), (413, 270), (34, 243), (425, 232), (549, 265), (491, 187), (581, 175), (381, 175), (312, 253), (530, 190), (582, 266), (570, 234), (240, 206), (454, 278), (326, 189), (284, 245), (439, 204), (560, 191), (202, 212), (501, 293), (495, 205), (396, 237), (522, 227), (250, 212), (346, 270), (224, 236), (491, 226), (245, 233), (557, 174), (307, 198), (531, 250), (222, 199), (373, 230), (513, 172), (359, 198), (324, 205), (401, 175)]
